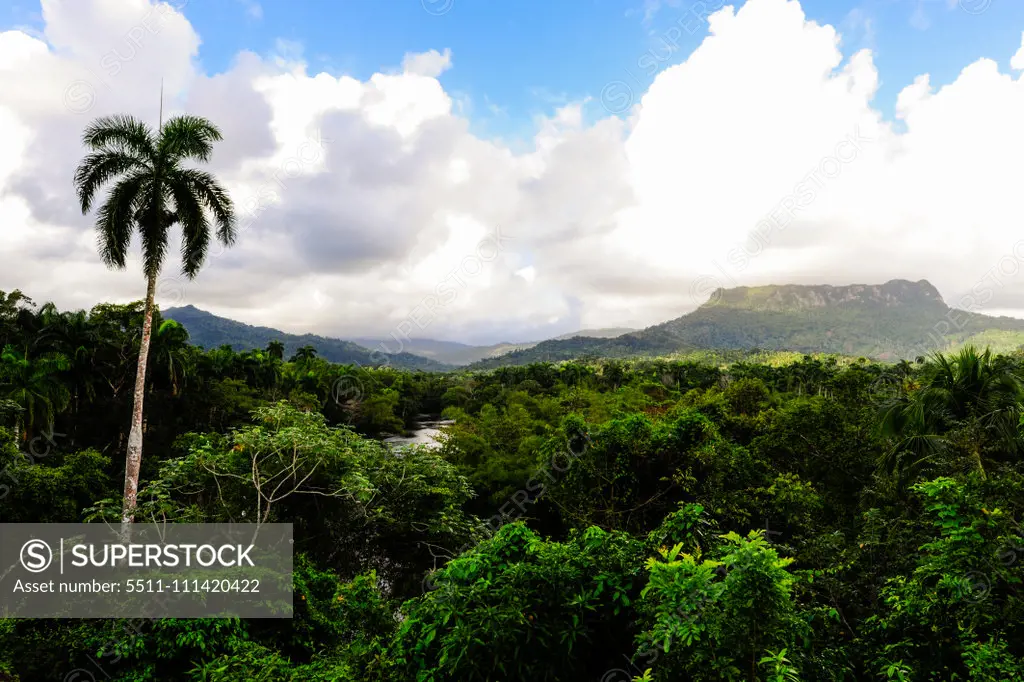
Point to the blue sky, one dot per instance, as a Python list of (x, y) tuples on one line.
[(516, 60), (519, 59)]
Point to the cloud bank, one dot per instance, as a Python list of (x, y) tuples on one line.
[(368, 206)]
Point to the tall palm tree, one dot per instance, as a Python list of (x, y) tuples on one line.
[(276, 350), (304, 355), (35, 386), (152, 190), (73, 335), (172, 353), (11, 305), (969, 389)]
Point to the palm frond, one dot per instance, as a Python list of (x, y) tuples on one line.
[(923, 447), (188, 137), (215, 199), (117, 218), (892, 417), (98, 168), (121, 133), (153, 191), (195, 225), (174, 331)]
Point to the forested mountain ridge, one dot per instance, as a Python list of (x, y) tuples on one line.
[(455, 353), (797, 297), (895, 320), (211, 331)]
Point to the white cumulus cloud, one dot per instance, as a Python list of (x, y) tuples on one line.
[(369, 206)]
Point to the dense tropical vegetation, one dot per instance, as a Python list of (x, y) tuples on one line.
[(773, 517), (731, 515)]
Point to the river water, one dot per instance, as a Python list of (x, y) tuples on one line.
[(425, 433)]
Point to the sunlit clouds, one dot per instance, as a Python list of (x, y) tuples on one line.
[(759, 159)]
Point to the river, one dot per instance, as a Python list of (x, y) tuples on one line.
[(424, 433)]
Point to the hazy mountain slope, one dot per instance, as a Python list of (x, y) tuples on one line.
[(898, 319), (606, 333), (455, 353), (210, 331), (450, 352)]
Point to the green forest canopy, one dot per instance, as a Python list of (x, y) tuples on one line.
[(766, 518)]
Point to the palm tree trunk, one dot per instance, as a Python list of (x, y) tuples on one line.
[(977, 461), (134, 458)]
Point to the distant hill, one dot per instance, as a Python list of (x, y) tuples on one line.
[(449, 352), (455, 353), (210, 331), (891, 321), (608, 333)]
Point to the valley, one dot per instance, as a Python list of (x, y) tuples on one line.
[(893, 321)]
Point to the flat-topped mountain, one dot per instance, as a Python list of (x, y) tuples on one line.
[(797, 298), (890, 321)]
